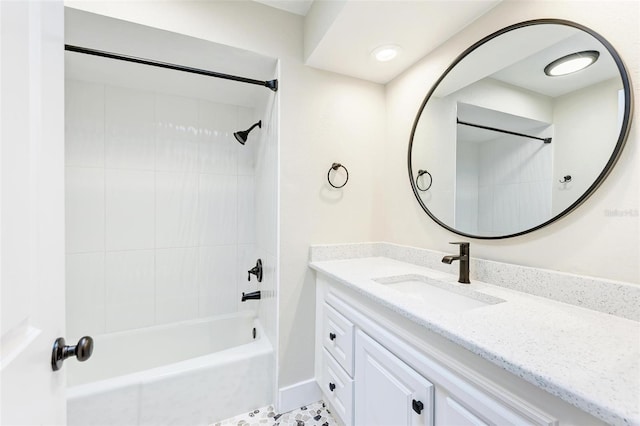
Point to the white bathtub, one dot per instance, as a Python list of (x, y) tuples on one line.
[(192, 373)]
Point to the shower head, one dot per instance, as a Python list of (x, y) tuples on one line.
[(241, 136)]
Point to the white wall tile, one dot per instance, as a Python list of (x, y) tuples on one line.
[(246, 210), (505, 160), (485, 210), (130, 209), (176, 133), (84, 204), (85, 294), (217, 280), (506, 209), (268, 304), (535, 204), (176, 284), (536, 162), (130, 289), (129, 129), (166, 198), (218, 148), (176, 209), (84, 124), (217, 209)]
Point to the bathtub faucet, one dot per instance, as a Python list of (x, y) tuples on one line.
[(254, 295)]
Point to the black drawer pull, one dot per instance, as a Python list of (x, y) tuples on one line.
[(332, 386), (332, 336), (418, 406)]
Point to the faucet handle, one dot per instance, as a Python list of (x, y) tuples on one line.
[(464, 247), (256, 270)]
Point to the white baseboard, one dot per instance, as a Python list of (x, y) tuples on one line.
[(297, 395)]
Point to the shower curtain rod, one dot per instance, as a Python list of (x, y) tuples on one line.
[(271, 84), (545, 140)]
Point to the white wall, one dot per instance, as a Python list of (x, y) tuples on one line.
[(598, 103), (160, 224), (589, 241), (325, 118)]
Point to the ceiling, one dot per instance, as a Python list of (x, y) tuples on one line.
[(340, 34), (299, 7), (519, 57)]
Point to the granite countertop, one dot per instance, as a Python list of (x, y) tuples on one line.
[(587, 358)]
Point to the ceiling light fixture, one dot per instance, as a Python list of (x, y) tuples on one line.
[(571, 63), (385, 53)]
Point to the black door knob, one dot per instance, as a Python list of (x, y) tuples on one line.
[(332, 336), (82, 351), (332, 386), (418, 406)]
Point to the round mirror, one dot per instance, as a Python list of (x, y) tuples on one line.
[(520, 129)]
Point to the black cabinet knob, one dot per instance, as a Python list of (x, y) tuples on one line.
[(418, 406), (332, 336), (332, 386)]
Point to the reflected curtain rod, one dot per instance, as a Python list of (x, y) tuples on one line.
[(545, 140), (271, 84)]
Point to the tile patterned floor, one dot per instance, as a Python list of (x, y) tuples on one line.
[(315, 414)]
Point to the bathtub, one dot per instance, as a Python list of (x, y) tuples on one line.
[(190, 373)]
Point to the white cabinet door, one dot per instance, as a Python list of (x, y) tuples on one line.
[(32, 210), (387, 391)]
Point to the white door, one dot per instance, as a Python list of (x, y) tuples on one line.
[(387, 391), (31, 210)]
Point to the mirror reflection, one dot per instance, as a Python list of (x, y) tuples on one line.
[(504, 146)]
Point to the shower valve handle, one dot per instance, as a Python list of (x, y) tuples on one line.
[(82, 351), (256, 270)]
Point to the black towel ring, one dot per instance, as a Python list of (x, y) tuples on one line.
[(336, 166), (420, 173)]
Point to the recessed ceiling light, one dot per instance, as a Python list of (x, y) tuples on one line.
[(571, 63), (385, 53)]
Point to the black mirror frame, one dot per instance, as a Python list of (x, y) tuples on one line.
[(622, 137)]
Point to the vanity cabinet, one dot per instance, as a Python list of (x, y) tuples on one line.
[(388, 391), (373, 373)]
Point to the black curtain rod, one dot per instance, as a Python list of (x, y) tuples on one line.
[(545, 140), (271, 84)]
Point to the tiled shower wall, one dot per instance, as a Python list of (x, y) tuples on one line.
[(160, 222), (503, 185)]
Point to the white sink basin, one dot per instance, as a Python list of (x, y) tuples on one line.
[(439, 295)]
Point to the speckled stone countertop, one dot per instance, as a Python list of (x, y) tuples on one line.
[(587, 358)]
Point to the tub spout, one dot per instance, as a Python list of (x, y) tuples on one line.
[(254, 295)]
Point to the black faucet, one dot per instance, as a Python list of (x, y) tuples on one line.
[(463, 257), (256, 270), (254, 295)]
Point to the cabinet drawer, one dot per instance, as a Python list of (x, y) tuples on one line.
[(337, 387), (337, 337)]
